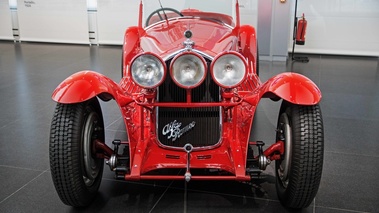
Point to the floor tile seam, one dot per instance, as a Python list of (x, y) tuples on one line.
[(16, 167), (232, 195), (47, 106), (347, 116), (19, 119), (355, 154), (116, 130), (10, 123), (159, 199), (49, 51), (337, 92), (201, 191), (133, 182), (340, 209), (113, 122), (22, 187)]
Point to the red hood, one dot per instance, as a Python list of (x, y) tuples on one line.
[(209, 37)]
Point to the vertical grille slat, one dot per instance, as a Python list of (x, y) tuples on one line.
[(206, 131)]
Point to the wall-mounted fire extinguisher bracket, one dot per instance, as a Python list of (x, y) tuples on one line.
[(299, 30)]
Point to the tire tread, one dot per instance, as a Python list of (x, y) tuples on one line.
[(307, 156), (65, 154)]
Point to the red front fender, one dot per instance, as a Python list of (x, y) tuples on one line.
[(85, 85), (292, 87)]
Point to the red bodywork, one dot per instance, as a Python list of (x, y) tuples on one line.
[(138, 105)]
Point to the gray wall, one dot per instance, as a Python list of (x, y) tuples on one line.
[(274, 21)]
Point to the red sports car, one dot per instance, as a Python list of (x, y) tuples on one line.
[(188, 94)]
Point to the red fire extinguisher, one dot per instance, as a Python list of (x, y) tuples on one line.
[(301, 30)]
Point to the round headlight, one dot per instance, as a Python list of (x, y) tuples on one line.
[(228, 69), (188, 70), (148, 70)]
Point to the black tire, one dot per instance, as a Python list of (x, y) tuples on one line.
[(298, 176), (75, 170)]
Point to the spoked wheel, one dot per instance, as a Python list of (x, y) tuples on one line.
[(75, 170), (298, 173)]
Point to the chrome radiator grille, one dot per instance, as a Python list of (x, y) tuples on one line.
[(197, 126)]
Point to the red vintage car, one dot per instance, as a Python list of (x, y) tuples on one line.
[(188, 94)]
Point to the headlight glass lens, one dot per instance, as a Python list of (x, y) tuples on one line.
[(188, 70), (148, 71), (229, 70)]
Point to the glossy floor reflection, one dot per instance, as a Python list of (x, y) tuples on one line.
[(29, 72)]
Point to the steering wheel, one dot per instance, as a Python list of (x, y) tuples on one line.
[(158, 12)]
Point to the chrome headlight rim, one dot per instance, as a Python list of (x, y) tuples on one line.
[(202, 60), (218, 56), (155, 56)]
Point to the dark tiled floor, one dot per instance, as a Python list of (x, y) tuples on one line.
[(29, 73)]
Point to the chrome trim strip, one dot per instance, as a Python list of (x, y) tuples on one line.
[(195, 149), (172, 55), (183, 50), (203, 54)]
